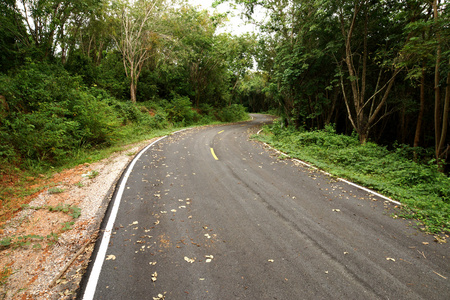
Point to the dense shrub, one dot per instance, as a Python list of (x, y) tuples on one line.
[(232, 113), (111, 76), (81, 65), (48, 115), (180, 111), (51, 115)]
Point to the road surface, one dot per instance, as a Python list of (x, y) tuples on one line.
[(209, 214)]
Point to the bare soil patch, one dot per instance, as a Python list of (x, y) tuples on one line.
[(50, 253)]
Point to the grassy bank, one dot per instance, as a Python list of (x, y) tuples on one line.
[(423, 190)]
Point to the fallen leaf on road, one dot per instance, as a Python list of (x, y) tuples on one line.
[(189, 260), (111, 257), (152, 263), (173, 210), (154, 275), (389, 258), (440, 239), (157, 222), (425, 243), (159, 297), (336, 210), (164, 212), (270, 260)]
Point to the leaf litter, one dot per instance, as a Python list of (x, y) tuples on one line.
[(154, 276), (189, 260), (111, 257)]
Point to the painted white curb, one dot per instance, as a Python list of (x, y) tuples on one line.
[(340, 179), (101, 254)]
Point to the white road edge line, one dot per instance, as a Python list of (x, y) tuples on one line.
[(101, 254), (340, 179)]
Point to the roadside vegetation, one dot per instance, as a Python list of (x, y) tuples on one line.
[(424, 191), (55, 121)]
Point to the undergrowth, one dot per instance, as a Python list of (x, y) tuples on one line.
[(51, 120), (424, 191)]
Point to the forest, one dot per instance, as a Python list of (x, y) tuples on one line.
[(81, 75), (77, 76), (377, 68)]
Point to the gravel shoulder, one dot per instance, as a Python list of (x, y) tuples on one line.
[(54, 248)]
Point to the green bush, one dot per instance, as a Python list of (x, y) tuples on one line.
[(51, 115), (111, 76), (81, 65), (180, 111), (233, 113)]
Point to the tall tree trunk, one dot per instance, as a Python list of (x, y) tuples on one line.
[(437, 102), (133, 90), (403, 124), (445, 118), (363, 120), (438, 126), (421, 111)]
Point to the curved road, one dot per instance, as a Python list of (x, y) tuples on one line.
[(208, 214)]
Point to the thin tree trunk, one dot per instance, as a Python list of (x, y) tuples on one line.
[(133, 89), (403, 124), (445, 118), (437, 94), (421, 112)]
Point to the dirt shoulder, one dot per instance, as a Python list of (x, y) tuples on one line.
[(53, 239)]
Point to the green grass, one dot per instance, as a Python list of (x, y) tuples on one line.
[(424, 191)]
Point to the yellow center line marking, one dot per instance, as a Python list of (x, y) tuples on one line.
[(213, 154), (221, 131)]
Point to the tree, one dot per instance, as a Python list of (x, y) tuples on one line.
[(140, 33), (46, 21), (366, 107), (11, 29), (202, 54), (441, 114)]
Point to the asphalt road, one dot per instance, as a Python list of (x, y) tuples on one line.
[(209, 214)]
